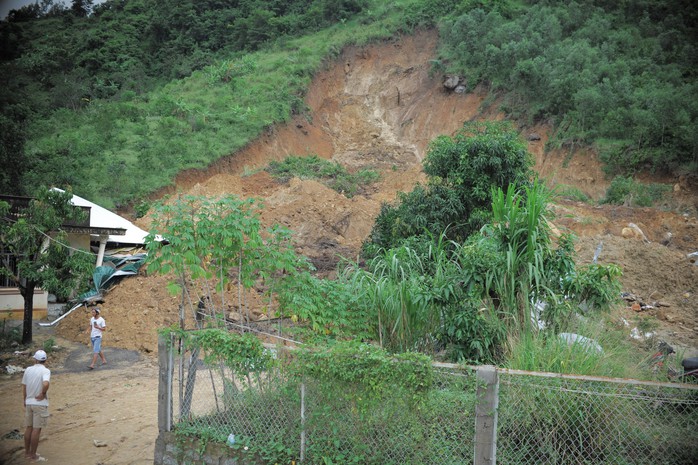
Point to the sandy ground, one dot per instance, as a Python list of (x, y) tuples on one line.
[(115, 405)]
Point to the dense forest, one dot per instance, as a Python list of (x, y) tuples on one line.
[(114, 99)]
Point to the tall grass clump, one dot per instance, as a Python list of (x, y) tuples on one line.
[(604, 352)]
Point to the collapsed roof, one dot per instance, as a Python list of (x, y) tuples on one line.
[(100, 217)]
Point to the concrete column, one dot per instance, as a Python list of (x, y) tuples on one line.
[(102, 246), (486, 415), (166, 363)]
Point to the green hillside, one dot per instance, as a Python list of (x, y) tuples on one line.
[(116, 102)]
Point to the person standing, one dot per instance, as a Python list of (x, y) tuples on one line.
[(97, 327), (35, 383)]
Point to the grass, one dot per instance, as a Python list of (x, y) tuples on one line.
[(330, 173), (573, 193), (547, 352), (118, 152)]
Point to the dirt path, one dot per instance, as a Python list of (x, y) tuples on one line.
[(115, 404)]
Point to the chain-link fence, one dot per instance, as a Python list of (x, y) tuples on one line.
[(511, 417), (585, 420)]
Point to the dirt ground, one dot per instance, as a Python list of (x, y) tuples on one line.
[(104, 416), (375, 107)]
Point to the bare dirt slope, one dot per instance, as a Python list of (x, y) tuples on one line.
[(378, 107), (375, 107)]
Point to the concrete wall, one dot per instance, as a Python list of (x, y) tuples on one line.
[(12, 304)]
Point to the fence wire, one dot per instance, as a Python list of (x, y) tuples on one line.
[(541, 420), (311, 422), (572, 421)]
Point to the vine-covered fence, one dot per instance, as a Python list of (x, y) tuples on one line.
[(463, 415)]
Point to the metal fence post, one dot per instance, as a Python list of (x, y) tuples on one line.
[(302, 458), (166, 365), (486, 415)]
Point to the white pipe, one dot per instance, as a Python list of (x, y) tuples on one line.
[(64, 315)]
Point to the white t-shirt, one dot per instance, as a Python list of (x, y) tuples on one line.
[(100, 322), (33, 379)]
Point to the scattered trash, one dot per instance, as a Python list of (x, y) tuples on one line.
[(98, 443), (536, 312), (690, 366), (599, 248), (586, 343), (635, 334), (11, 369), (231, 439), (693, 258), (14, 434), (639, 304)]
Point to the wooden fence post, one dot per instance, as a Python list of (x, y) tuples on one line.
[(486, 415)]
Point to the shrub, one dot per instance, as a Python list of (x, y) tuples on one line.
[(626, 190)]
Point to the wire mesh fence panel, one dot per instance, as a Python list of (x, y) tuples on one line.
[(261, 407), (323, 423), (579, 421), (394, 427)]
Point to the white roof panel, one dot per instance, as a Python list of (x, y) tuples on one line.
[(100, 217)]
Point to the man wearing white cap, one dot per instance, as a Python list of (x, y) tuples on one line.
[(35, 384)]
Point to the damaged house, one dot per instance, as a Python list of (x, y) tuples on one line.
[(115, 241)]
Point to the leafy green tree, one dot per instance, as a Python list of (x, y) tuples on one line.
[(81, 8), (462, 171), (36, 239), (210, 244)]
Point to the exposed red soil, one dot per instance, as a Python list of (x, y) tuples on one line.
[(378, 107)]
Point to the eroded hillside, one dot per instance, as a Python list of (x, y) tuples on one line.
[(378, 107)]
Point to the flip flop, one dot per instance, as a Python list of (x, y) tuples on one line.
[(90, 368), (40, 459)]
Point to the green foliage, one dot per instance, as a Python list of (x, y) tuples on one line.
[(110, 70), (401, 397), (210, 243), (228, 70), (368, 371), (242, 353), (142, 208), (520, 223), (9, 335), (472, 332), (599, 71), (49, 345), (462, 171), (547, 352), (203, 435), (328, 308), (628, 191), (51, 267), (330, 173), (597, 286), (573, 193)]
